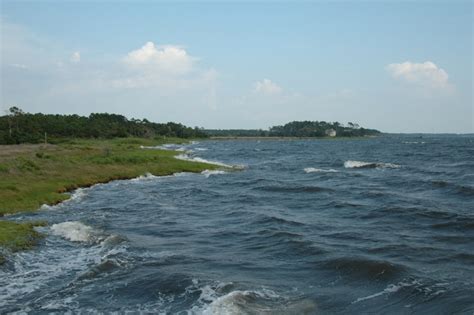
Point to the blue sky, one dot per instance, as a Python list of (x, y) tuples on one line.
[(394, 66)]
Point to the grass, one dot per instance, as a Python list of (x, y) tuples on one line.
[(18, 236), (42, 174), (33, 175)]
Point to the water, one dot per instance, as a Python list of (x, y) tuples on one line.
[(383, 225)]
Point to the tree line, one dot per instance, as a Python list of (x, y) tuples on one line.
[(21, 127), (299, 129)]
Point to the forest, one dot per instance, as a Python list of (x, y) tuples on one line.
[(299, 129), (21, 127)]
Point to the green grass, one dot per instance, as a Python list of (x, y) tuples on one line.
[(42, 174), (18, 236), (31, 176)]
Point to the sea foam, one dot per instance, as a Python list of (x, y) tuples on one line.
[(319, 170), (391, 288), (186, 157), (208, 173), (76, 231), (257, 302), (361, 164)]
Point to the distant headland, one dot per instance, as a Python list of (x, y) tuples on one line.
[(21, 127), (298, 129)]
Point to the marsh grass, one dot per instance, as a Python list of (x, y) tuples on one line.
[(33, 175), (41, 175), (18, 236)]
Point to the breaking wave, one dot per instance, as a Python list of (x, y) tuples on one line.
[(77, 195), (413, 142), (27, 272), (76, 231), (222, 300), (365, 268), (208, 173), (361, 164), (391, 288), (319, 170), (146, 176), (186, 157)]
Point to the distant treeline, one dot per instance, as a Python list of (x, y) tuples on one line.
[(20, 127), (299, 129)]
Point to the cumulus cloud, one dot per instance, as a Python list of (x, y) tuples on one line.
[(167, 59), (267, 87), (76, 57), (425, 74)]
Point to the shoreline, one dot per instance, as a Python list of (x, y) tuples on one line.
[(288, 138), (37, 175)]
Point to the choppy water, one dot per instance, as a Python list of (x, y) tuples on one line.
[(383, 225)]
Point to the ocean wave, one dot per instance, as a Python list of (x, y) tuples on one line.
[(319, 170), (269, 219), (391, 288), (208, 173), (146, 176), (226, 299), (460, 189), (413, 142), (109, 263), (75, 196), (186, 157), (293, 189), (32, 271), (76, 231), (361, 164), (365, 267), (258, 302)]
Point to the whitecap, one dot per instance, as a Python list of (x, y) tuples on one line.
[(391, 288), (76, 231), (146, 176), (262, 301), (77, 195), (34, 270), (319, 170), (414, 142), (208, 173), (361, 164), (186, 157)]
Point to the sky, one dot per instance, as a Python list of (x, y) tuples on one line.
[(391, 65)]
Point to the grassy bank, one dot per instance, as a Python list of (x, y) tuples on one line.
[(32, 175)]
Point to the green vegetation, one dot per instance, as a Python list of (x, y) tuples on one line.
[(20, 127), (299, 129), (32, 175), (18, 236)]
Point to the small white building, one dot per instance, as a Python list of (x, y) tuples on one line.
[(330, 132)]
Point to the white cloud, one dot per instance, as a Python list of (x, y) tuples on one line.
[(167, 68), (267, 87), (76, 57), (167, 59), (425, 74)]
